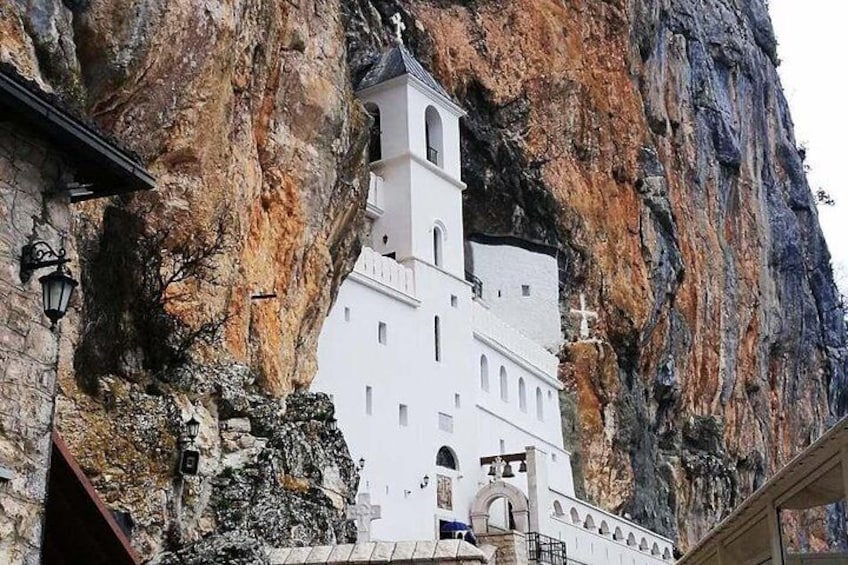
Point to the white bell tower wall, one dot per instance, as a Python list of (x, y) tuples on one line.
[(420, 167)]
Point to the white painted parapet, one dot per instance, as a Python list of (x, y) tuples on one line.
[(523, 350), (385, 271), (593, 535)]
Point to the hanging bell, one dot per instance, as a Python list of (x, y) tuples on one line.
[(492, 472), (523, 467), (507, 472)]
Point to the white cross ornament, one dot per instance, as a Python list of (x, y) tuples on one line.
[(585, 316), (363, 512), (400, 27)]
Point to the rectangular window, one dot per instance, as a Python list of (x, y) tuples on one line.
[(445, 422), (382, 333), (437, 337), (368, 400), (347, 314), (403, 415), (456, 401), (454, 301), (502, 447), (525, 290)]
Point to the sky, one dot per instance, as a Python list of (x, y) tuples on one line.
[(812, 47)]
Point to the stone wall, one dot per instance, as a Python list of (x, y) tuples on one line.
[(511, 547), (29, 351)]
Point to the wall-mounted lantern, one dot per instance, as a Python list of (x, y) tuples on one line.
[(425, 481), (56, 287), (361, 464), (190, 458)]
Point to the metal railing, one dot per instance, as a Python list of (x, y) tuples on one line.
[(433, 155), (476, 284), (544, 549)]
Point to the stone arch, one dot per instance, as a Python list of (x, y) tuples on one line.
[(490, 493), (558, 508), (618, 535), (589, 524), (643, 545), (631, 539), (575, 516), (655, 549), (604, 529)]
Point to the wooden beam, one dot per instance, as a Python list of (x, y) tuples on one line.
[(777, 556)]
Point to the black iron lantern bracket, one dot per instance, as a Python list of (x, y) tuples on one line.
[(40, 255)]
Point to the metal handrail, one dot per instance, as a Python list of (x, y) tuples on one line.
[(545, 549)]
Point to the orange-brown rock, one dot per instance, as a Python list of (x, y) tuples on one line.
[(650, 141)]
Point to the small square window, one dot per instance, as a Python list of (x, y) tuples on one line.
[(381, 333), (457, 401), (403, 415), (446, 422), (454, 301), (347, 314), (525, 290)]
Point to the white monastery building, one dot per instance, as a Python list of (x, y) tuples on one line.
[(447, 389)]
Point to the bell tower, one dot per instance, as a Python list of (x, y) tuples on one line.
[(414, 149)]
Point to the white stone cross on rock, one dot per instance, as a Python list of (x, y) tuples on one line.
[(585, 316), (363, 512), (399, 27)]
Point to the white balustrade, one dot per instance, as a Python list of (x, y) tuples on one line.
[(385, 271), (374, 208)]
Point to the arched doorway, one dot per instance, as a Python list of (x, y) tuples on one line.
[(516, 501)]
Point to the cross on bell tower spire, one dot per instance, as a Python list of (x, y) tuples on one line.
[(399, 28)]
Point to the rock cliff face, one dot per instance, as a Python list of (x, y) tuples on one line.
[(647, 139)]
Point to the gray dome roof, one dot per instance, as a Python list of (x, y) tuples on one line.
[(396, 62)]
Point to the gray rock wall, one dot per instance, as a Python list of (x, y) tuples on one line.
[(29, 351)]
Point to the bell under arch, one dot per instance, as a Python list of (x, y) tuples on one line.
[(492, 492)]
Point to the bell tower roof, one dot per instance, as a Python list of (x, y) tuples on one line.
[(396, 62)]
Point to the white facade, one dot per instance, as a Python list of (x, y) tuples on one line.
[(520, 286), (415, 363)]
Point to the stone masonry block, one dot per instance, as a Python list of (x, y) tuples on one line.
[(341, 553)]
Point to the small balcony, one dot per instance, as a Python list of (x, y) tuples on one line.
[(374, 206)]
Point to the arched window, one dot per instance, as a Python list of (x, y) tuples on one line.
[(433, 135), (589, 524), (557, 508), (446, 458), (438, 238), (655, 549), (575, 516), (484, 373), (504, 385), (437, 338), (643, 545), (540, 407), (631, 539), (375, 145), (604, 529), (522, 395)]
